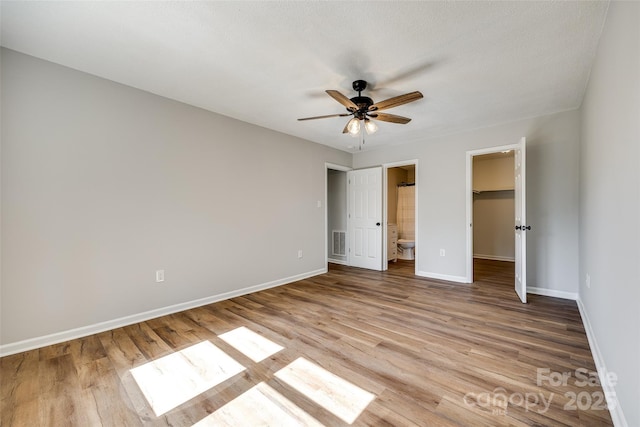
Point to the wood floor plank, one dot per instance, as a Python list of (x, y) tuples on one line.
[(20, 389), (431, 352)]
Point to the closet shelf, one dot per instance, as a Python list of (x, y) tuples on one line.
[(478, 191)]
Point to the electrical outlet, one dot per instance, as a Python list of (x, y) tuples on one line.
[(299, 253), (319, 204), (588, 281), (441, 252), (159, 276)]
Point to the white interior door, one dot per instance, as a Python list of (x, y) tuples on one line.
[(521, 224), (364, 222)]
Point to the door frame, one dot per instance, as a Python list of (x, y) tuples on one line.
[(340, 168), (469, 205), (385, 209)]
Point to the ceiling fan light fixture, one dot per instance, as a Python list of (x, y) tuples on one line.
[(370, 126), (363, 108), (353, 126)]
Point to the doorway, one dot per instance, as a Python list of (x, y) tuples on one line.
[(401, 213), (493, 182), (337, 203), (337, 243), (493, 217), (353, 216)]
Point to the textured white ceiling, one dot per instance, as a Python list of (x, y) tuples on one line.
[(268, 63)]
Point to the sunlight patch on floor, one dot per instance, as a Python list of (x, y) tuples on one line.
[(259, 406), (174, 379), (340, 397), (253, 345)]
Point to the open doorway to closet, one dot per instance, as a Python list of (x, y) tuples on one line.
[(493, 217), (496, 179), (336, 215), (401, 215)]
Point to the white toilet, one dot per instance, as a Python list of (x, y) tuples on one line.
[(405, 249)]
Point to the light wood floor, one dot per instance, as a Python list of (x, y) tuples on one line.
[(426, 352)]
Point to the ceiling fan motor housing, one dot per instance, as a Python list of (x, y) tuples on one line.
[(363, 103)]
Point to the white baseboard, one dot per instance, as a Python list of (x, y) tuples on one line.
[(552, 293), (337, 261), (494, 257), (458, 279), (58, 337), (617, 416)]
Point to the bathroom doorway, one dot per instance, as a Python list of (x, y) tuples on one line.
[(401, 215)]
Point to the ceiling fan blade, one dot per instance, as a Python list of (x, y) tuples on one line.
[(396, 100), (342, 100), (325, 117), (346, 127), (390, 118)]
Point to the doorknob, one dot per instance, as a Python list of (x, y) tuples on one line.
[(378, 224), (523, 227), (518, 227)]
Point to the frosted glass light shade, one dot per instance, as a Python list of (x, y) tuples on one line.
[(370, 127), (353, 126)]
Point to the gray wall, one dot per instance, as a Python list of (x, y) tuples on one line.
[(103, 184), (493, 224), (610, 204), (552, 196)]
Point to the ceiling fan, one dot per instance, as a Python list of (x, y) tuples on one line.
[(363, 109)]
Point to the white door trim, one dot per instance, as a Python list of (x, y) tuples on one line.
[(385, 208), (328, 166), (469, 204)]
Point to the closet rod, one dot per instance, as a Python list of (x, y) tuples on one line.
[(406, 184)]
